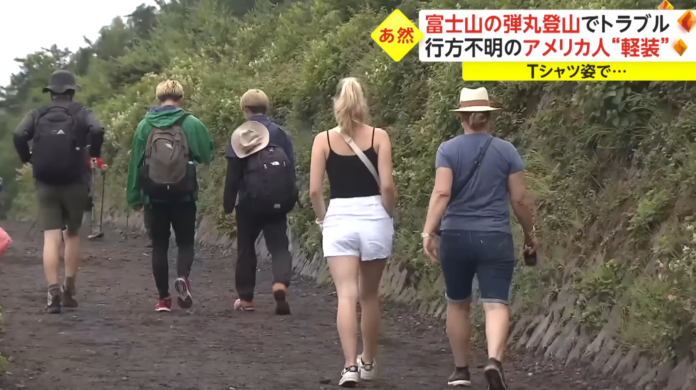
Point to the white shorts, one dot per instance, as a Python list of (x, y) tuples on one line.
[(358, 227)]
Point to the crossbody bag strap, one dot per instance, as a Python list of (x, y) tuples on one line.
[(360, 154), (477, 164)]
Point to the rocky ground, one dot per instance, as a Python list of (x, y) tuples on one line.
[(115, 339)]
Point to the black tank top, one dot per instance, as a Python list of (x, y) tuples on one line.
[(348, 175)]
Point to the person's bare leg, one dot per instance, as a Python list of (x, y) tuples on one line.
[(51, 256), (51, 259), (459, 331), (344, 271), (497, 326), (72, 259), (370, 277)]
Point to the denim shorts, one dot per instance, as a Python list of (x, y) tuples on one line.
[(488, 255)]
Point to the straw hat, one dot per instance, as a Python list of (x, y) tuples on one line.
[(474, 100), (249, 138)]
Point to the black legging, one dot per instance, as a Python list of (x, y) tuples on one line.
[(148, 223), (182, 218)]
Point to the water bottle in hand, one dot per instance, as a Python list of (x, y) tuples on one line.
[(530, 257)]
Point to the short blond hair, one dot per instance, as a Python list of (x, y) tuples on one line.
[(169, 90), (256, 101)]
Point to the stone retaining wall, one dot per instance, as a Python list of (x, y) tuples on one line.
[(555, 336)]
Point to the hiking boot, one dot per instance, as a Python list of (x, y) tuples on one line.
[(95, 235), (53, 304), (367, 370), (67, 297), (183, 288), (350, 376), (494, 375), (243, 305), (280, 294), (164, 305), (460, 377)]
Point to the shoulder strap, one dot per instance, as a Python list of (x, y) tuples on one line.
[(477, 164), (181, 120), (74, 108), (282, 131), (360, 154), (42, 111), (278, 125), (39, 113)]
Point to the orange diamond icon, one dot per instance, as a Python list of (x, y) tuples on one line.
[(665, 5), (687, 21), (680, 47)]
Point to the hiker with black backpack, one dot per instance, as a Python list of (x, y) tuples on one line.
[(162, 181), (59, 132), (260, 190)]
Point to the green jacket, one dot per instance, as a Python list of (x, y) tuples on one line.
[(197, 135)]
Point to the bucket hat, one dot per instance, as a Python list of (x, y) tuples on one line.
[(62, 81), (249, 138)]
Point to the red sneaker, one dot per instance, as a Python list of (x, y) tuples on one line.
[(164, 305), (183, 288)]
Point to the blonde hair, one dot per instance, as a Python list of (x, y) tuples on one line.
[(477, 120), (256, 101), (169, 90), (350, 107)]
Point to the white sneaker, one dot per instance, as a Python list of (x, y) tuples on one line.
[(367, 370), (350, 376)]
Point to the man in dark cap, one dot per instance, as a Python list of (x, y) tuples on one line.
[(59, 132)]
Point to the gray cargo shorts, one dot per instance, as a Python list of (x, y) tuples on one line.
[(61, 206)]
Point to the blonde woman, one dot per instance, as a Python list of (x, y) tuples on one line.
[(477, 177), (358, 227)]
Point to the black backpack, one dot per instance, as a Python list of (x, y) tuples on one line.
[(57, 154), (269, 182)]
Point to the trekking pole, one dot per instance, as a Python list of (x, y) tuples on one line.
[(91, 193), (100, 233), (103, 197), (30, 228)]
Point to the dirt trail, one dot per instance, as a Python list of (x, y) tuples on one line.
[(115, 340)]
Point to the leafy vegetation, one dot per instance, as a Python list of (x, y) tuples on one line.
[(610, 164)]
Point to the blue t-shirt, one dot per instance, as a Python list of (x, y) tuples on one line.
[(484, 203)]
